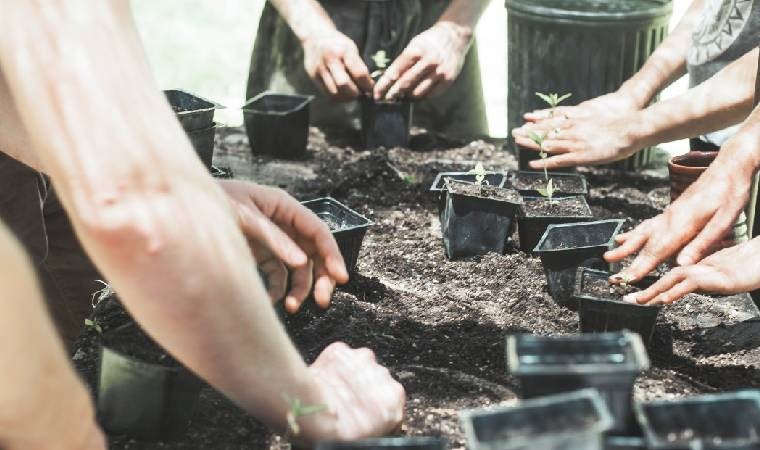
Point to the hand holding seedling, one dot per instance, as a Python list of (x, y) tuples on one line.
[(596, 107), (282, 232)]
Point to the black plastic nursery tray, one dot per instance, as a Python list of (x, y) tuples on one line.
[(565, 184), (193, 112), (278, 124)]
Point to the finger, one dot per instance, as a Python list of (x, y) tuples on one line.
[(407, 59), (664, 284), (677, 292), (425, 88), (277, 278), (324, 286), (358, 71), (632, 244), (548, 113), (346, 88), (707, 239), (301, 282), (259, 228), (558, 161), (410, 79), (544, 126), (328, 82)]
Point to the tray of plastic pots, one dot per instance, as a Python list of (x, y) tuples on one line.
[(193, 112), (601, 306), (438, 188), (540, 212), (569, 421), (390, 443), (713, 421), (530, 183), (347, 226), (608, 362), (563, 248), (278, 124)]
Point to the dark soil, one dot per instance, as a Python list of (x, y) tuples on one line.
[(438, 325), (483, 191), (556, 207), (177, 109), (602, 288), (534, 181)]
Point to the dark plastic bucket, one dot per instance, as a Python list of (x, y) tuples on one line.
[(203, 143), (439, 184), (524, 181), (195, 113), (608, 362), (570, 421), (396, 443), (608, 313), (531, 228), (278, 124), (564, 248), (385, 123), (713, 421), (347, 226)]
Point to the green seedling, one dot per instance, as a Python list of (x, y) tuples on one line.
[(548, 191), (553, 100), (409, 179), (93, 325), (539, 140), (480, 174), (381, 61), (296, 410)]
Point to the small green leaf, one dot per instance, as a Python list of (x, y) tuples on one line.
[(380, 59), (545, 98), (480, 173), (564, 97), (547, 191)]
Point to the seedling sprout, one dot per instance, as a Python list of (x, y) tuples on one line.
[(296, 410), (549, 190), (553, 100), (93, 324), (381, 61)]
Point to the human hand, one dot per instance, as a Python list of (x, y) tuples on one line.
[(333, 62), (282, 231), (729, 271), (428, 65), (613, 103)]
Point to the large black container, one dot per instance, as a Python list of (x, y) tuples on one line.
[(531, 227), (347, 226), (571, 421), (395, 443), (609, 362), (474, 226), (584, 47), (385, 123), (203, 143), (524, 182), (564, 248), (438, 187), (278, 124), (192, 111), (714, 421), (599, 314)]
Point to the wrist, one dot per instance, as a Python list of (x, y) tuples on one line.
[(638, 92), (460, 33), (640, 131), (322, 425)]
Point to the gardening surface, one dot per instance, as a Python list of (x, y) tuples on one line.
[(439, 325)]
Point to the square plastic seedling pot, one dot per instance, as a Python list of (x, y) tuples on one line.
[(574, 421), (473, 226), (601, 314), (438, 187), (608, 362), (145, 401), (347, 226), (395, 443), (385, 123), (713, 421), (278, 124), (196, 113), (563, 248), (528, 175), (203, 143), (530, 229)]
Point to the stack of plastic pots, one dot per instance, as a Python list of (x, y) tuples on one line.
[(570, 421), (608, 362), (278, 124), (347, 226), (393, 443), (438, 187), (196, 115), (564, 248), (714, 421)]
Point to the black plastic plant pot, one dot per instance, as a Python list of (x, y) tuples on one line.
[(203, 143), (439, 184), (624, 443), (396, 443), (347, 226), (564, 248), (532, 224), (145, 401), (713, 421), (477, 219), (385, 123), (601, 308), (278, 124), (565, 184), (193, 112), (608, 362), (570, 421)]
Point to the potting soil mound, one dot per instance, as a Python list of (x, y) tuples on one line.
[(484, 191), (440, 325), (557, 207)]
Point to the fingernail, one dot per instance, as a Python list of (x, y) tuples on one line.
[(630, 298), (685, 260)]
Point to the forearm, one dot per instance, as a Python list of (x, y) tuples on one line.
[(722, 101), (667, 63), (307, 18), (740, 155), (14, 140), (143, 206), (464, 15)]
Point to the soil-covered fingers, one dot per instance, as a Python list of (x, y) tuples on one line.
[(301, 280), (395, 71), (628, 243), (671, 287)]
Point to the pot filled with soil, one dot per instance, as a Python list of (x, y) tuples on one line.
[(385, 123), (573, 420), (530, 183), (601, 307), (193, 112), (713, 421), (397, 443), (540, 212), (438, 187), (203, 143), (563, 248), (278, 124), (608, 362), (477, 219), (347, 226)]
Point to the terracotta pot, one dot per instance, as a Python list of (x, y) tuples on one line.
[(685, 169)]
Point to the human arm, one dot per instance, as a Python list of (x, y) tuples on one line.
[(42, 402), (331, 58), (153, 220), (433, 59)]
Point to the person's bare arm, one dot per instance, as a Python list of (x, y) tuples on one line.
[(14, 140), (153, 220), (42, 402)]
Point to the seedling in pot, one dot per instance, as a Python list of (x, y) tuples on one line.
[(94, 325), (438, 187), (381, 60), (541, 212), (529, 182), (553, 100), (385, 123)]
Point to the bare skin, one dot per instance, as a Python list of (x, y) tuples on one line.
[(42, 402), (164, 233)]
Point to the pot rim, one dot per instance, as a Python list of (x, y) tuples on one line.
[(195, 111), (650, 279), (527, 198), (434, 187), (552, 227), (248, 107), (367, 223)]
